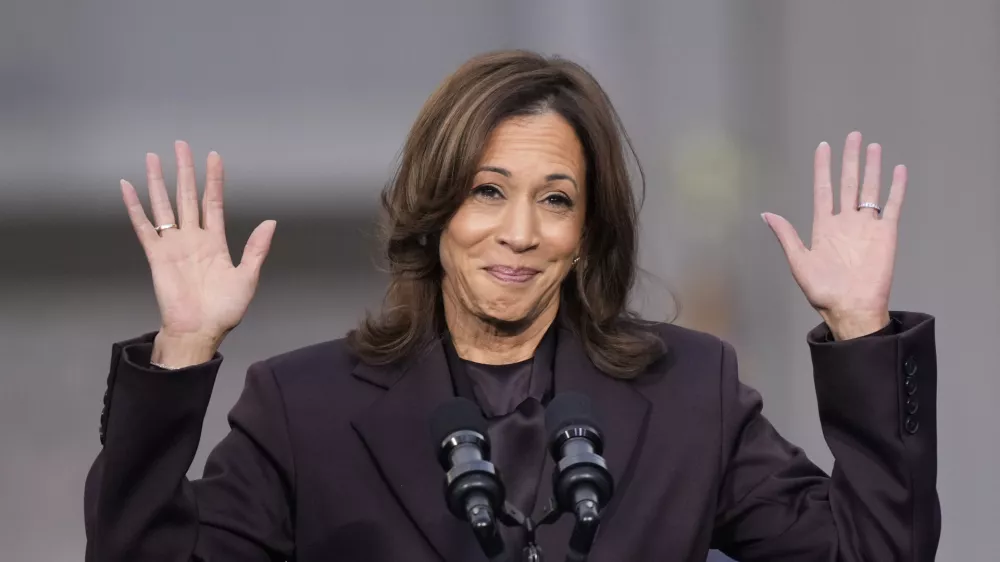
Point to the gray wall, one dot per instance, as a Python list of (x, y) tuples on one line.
[(309, 101)]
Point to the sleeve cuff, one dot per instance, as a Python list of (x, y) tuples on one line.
[(879, 381), (823, 334), (136, 353), (133, 355)]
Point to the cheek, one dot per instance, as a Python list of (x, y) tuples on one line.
[(563, 238), (470, 226), (466, 231)]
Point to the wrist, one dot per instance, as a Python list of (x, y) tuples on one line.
[(179, 351), (850, 325)]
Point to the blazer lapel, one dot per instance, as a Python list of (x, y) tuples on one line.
[(396, 431), (622, 412)]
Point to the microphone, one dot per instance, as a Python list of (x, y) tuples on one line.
[(581, 482), (473, 490)]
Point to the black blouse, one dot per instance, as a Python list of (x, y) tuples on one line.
[(513, 399)]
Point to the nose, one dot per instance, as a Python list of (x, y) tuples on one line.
[(519, 227)]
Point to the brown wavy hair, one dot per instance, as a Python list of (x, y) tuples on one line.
[(433, 179)]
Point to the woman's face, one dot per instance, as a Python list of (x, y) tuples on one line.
[(508, 248)]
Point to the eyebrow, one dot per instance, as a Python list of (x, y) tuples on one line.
[(506, 173)]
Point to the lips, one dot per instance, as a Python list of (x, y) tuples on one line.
[(512, 274)]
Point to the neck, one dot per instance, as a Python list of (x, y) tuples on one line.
[(492, 343)]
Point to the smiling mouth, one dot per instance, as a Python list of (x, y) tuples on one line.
[(512, 274)]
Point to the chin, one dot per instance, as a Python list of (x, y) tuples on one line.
[(509, 313), (508, 308), (501, 314)]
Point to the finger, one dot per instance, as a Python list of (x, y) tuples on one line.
[(211, 207), (257, 247), (137, 215), (163, 213), (187, 187), (897, 192), (873, 169), (822, 185), (787, 237), (849, 173)]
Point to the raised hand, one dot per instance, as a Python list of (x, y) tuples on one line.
[(201, 294), (846, 272)]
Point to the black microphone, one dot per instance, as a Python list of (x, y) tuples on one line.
[(473, 489), (581, 481)]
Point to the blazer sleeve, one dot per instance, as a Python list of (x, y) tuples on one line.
[(876, 398), (139, 504)]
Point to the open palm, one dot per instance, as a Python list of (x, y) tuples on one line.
[(846, 271), (200, 293)]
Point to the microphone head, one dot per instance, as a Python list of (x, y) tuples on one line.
[(576, 443), (569, 409), (454, 415)]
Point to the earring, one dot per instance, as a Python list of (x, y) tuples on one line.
[(576, 259)]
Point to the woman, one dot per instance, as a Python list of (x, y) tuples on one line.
[(511, 240)]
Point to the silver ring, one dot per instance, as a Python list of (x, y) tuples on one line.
[(867, 205), (163, 227)]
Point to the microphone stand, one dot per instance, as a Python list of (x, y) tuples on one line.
[(512, 517), (588, 519)]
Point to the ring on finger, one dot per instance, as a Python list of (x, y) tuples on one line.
[(160, 228), (869, 205)]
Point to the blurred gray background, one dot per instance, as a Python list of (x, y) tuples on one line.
[(309, 102)]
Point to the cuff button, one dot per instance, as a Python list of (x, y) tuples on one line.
[(911, 425)]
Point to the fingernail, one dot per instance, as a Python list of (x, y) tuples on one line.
[(763, 217), (822, 144)]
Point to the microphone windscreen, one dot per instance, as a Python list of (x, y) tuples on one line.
[(569, 408), (455, 415)]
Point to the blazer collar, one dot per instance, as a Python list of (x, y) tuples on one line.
[(395, 429)]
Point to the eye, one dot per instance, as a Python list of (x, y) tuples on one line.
[(487, 191), (559, 200)]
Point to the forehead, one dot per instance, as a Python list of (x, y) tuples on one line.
[(537, 140)]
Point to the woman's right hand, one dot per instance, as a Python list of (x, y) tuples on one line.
[(200, 293)]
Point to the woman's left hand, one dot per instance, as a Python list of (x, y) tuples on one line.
[(846, 272)]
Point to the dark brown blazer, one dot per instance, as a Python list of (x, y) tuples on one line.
[(330, 459)]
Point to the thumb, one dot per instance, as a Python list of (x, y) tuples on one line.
[(786, 235), (257, 247)]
